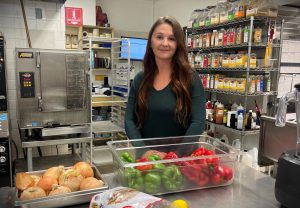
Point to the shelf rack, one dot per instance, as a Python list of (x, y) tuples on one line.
[(211, 69), (236, 131), (242, 21), (241, 93), (238, 47), (249, 48), (119, 72)]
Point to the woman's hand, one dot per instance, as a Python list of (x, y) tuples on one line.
[(151, 152)]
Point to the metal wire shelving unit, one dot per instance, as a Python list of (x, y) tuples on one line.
[(249, 47), (119, 73)]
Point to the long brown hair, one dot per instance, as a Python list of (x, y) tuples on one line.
[(180, 77)]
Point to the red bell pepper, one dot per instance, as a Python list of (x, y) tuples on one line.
[(216, 179), (202, 180), (228, 173), (171, 155), (221, 175), (143, 167), (199, 152)]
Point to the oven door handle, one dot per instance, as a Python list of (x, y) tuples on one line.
[(38, 60)]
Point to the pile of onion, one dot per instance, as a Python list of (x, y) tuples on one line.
[(46, 183), (54, 172), (71, 178), (56, 181), (84, 168), (32, 193), (57, 190), (24, 181), (90, 183)]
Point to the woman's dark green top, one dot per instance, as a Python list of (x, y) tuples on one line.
[(160, 120)]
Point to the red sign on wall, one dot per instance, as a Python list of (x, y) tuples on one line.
[(73, 16)]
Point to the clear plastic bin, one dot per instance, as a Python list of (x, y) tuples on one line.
[(191, 170)]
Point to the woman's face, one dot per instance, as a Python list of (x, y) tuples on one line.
[(163, 42)]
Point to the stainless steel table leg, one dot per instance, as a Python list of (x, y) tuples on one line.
[(29, 159), (73, 148), (83, 151)]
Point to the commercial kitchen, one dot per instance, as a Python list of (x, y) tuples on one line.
[(66, 70)]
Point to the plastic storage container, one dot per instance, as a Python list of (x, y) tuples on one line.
[(202, 162)]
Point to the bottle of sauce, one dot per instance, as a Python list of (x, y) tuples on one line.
[(232, 121), (225, 114), (208, 107), (249, 120), (219, 113), (240, 119), (214, 110)]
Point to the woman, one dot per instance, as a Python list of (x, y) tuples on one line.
[(167, 98)]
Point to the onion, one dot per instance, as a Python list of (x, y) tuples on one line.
[(91, 183), (46, 183), (24, 181), (57, 190), (71, 178), (36, 179), (85, 169), (54, 172), (32, 193)]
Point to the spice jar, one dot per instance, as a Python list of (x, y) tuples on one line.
[(252, 60), (225, 61), (257, 38), (239, 35), (232, 63)]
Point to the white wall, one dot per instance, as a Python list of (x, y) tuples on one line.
[(48, 32), (88, 9), (128, 15), (139, 15)]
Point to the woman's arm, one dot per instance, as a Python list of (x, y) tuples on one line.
[(130, 118), (197, 123)]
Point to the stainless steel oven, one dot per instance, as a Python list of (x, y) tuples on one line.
[(53, 92), (3, 95)]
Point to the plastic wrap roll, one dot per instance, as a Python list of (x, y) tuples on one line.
[(85, 34)]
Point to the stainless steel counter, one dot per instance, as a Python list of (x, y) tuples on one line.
[(250, 189)]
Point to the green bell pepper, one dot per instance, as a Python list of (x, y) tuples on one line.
[(152, 182), (172, 178), (159, 166), (154, 157), (127, 157), (133, 178)]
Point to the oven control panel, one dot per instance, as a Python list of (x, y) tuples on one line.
[(27, 89), (3, 125)]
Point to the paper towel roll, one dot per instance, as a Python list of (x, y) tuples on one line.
[(95, 32)]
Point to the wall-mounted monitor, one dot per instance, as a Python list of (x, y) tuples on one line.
[(137, 48)]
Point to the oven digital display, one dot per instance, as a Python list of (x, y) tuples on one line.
[(27, 84)]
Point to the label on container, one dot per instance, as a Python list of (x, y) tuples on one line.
[(258, 85), (223, 17), (231, 38), (225, 38), (246, 35)]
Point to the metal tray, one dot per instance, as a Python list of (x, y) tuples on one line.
[(77, 197)]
